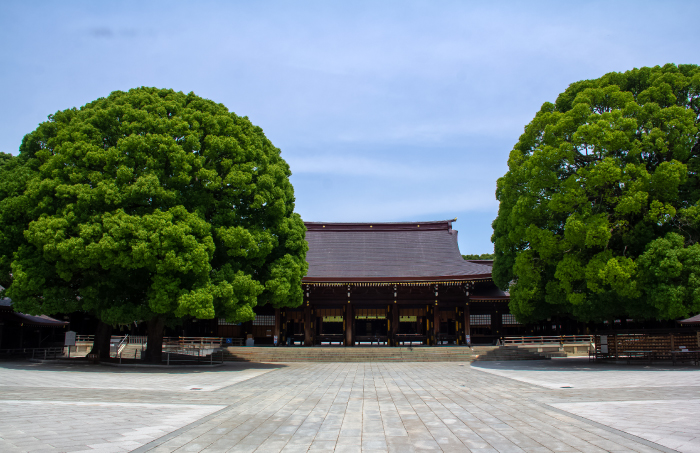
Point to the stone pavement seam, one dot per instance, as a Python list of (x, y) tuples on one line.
[(641, 440), (161, 440)]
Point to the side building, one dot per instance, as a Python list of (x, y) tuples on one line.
[(388, 284)]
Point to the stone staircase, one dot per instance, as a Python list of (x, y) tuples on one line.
[(132, 351), (375, 354), (353, 354)]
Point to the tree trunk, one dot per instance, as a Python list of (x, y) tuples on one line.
[(100, 344), (154, 351)]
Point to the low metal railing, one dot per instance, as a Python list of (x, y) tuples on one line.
[(175, 357), (198, 359), (35, 353), (552, 339)]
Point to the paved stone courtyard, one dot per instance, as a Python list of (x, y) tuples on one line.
[(563, 405)]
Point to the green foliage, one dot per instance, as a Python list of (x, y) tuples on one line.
[(5, 158), (150, 202), (483, 256), (599, 213)]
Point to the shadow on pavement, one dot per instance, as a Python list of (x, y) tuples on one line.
[(85, 366), (581, 364)]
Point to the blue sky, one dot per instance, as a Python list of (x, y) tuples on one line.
[(385, 111)]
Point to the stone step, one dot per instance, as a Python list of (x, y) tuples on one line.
[(376, 354), (131, 351)]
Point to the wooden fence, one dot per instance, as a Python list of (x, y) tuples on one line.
[(659, 346)]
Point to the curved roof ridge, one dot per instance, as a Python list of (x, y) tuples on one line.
[(381, 223), (383, 226)]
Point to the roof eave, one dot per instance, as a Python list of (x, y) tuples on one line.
[(443, 278)]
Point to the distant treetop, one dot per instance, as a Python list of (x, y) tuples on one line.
[(483, 256)]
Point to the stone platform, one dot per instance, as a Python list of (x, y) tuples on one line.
[(376, 354)]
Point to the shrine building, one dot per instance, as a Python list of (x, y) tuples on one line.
[(386, 284)]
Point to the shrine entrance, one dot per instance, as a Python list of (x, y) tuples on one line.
[(371, 326), (412, 328), (330, 326)]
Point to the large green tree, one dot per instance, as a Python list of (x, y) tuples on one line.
[(599, 212), (150, 204)]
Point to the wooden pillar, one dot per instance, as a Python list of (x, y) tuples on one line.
[(428, 329), (467, 325), (349, 324), (497, 322), (276, 332), (436, 322), (458, 326), (308, 338), (394, 323)]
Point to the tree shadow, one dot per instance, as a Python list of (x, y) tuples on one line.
[(76, 365), (583, 364)]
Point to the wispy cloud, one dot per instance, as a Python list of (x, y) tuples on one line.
[(384, 110)]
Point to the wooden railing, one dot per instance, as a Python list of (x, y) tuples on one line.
[(193, 342), (553, 339)]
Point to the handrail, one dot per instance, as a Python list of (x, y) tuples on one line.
[(122, 344), (84, 338), (548, 339)]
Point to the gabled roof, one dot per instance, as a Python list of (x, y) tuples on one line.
[(387, 252), (5, 304), (41, 320), (692, 320)]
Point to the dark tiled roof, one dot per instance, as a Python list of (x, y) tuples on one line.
[(387, 252), (693, 320), (41, 320), (5, 302)]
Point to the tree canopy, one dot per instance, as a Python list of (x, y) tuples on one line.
[(150, 203), (599, 214)]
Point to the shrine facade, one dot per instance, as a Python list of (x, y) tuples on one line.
[(386, 284)]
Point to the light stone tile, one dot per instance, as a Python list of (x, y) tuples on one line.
[(382, 406)]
